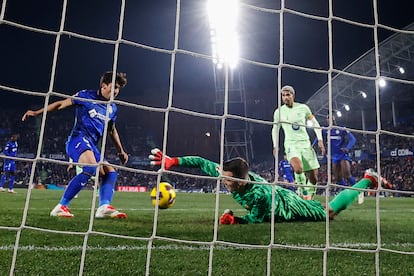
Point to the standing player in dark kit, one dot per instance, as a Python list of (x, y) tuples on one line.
[(9, 166), (341, 143)]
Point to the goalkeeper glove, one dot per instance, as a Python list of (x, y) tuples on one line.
[(156, 156), (227, 217)]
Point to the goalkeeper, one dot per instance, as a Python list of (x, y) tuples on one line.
[(257, 198)]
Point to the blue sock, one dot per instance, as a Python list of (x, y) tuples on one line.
[(351, 181), (342, 182), (74, 187), (3, 178), (11, 182), (106, 191)]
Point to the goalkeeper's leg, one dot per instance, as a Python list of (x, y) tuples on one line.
[(345, 198)]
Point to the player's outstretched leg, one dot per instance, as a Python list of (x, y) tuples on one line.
[(74, 187), (106, 193), (345, 198)]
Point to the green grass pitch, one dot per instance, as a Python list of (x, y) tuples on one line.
[(181, 242)]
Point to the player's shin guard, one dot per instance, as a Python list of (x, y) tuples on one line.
[(345, 198), (106, 191), (300, 178), (76, 184), (310, 191)]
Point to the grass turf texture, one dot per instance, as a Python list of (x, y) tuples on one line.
[(192, 219)]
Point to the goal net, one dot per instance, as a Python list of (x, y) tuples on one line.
[(185, 99)]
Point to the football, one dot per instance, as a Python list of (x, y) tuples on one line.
[(166, 198)]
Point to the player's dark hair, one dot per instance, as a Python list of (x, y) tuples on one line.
[(238, 166), (119, 79)]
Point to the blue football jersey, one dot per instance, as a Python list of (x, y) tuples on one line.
[(90, 116), (340, 139), (11, 149), (285, 169)]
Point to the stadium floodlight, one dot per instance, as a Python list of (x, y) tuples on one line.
[(338, 114), (223, 16), (347, 108), (401, 70), (363, 94), (382, 82)]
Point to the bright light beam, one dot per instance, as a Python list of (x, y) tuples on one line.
[(363, 94), (382, 82), (223, 16)]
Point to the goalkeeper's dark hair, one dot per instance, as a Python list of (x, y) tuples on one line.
[(120, 78), (238, 166)]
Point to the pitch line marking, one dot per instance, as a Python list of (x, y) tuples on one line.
[(186, 247)]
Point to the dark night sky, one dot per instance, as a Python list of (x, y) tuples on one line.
[(29, 55), (26, 57)]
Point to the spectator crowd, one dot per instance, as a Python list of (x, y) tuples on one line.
[(398, 170)]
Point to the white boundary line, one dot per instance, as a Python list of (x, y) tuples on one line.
[(190, 248)]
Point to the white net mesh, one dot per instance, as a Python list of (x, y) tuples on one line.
[(169, 102)]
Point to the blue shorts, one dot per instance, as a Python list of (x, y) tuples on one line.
[(9, 166), (77, 145), (289, 178), (338, 157)]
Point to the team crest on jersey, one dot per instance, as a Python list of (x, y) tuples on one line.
[(93, 113), (295, 127)]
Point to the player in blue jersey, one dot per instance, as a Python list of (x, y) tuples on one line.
[(341, 143), (82, 143), (286, 171), (9, 166)]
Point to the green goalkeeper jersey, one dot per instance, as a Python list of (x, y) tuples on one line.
[(257, 198), (293, 120)]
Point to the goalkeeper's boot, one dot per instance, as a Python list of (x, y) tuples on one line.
[(372, 175), (107, 211), (61, 211)]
